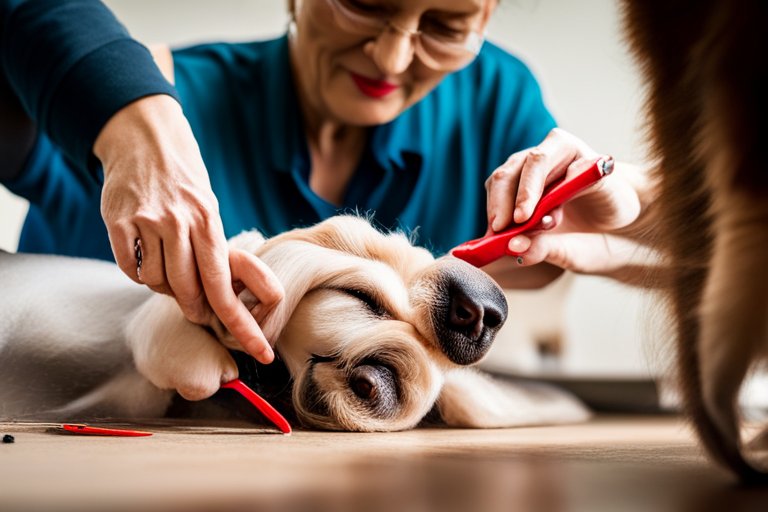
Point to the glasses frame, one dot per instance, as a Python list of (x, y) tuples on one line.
[(459, 54)]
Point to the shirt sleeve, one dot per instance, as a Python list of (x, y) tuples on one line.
[(73, 65)]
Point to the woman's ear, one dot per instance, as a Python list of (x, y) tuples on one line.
[(471, 399)]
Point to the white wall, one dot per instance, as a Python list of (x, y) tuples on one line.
[(589, 83)]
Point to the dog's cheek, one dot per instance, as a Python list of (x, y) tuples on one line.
[(322, 324)]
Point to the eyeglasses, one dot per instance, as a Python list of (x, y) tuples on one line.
[(437, 45)]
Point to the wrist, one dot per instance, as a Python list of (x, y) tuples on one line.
[(140, 122), (642, 181)]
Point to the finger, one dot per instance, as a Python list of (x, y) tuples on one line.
[(518, 245), (578, 166), (578, 252), (164, 289), (152, 269), (211, 254), (183, 278), (500, 187), (543, 165), (530, 250), (259, 280), (122, 238)]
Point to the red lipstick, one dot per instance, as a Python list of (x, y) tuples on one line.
[(371, 87)]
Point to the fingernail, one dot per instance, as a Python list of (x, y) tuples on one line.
[(519, 214), (517, 244), (495, 224), (266, 356)]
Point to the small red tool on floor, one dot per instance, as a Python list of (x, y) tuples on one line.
[(262, 405), (88, 430), (482, 251)]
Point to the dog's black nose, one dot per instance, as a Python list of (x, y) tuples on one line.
[(469, 314)]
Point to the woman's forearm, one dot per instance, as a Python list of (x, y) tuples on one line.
[(17, 133)]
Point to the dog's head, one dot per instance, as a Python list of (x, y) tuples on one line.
[(370, 324)]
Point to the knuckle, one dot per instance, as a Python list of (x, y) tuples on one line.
[(515, 158), (275, 294), (228, 312), (190, 298), (558, 132), (194, 314), (536, 155), (500, 175), (159, 287), (147, 217)]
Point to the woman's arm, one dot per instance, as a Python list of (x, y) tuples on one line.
[(17, 133), (73, 66), (98, 94)]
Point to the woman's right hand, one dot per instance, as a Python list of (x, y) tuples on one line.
[(588, 234), (157, 190)]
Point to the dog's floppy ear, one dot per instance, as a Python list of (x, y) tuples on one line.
[(472, 399), (300, 264)]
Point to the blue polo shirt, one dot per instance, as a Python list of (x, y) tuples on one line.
[(423, 173)]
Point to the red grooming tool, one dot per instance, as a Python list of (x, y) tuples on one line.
[(88, 430), (482, 251), (262, 405)]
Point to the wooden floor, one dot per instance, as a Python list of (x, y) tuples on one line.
[(609, 464)]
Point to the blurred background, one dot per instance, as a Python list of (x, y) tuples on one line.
[(580, 327)]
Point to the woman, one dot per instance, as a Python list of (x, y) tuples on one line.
[(393, 108)]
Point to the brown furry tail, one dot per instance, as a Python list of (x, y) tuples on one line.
[(696, 55)]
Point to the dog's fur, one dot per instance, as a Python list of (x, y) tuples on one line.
[(365, 331), (707, 75)]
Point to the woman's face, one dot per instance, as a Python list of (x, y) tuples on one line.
[(367, 77)]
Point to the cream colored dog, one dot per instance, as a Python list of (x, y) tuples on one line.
[(374, 332)]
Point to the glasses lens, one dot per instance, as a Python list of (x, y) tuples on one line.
[(448, 54), (353, 16)]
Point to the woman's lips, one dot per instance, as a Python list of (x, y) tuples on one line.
[(371, 87)]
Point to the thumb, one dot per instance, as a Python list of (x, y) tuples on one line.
[(589, 253)]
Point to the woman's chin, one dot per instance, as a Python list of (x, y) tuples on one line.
[(368, 112)]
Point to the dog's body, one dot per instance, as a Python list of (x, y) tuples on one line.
[(374, 332), (706, 68)]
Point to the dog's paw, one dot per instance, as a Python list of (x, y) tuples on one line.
[(174, 353)]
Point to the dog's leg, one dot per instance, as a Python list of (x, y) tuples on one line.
[(471, 399), (174, 353), (127, 395), (734, 308)]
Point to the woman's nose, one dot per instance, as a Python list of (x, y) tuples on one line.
[(392, 51)]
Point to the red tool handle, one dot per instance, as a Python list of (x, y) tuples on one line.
[(261, 404), (482, 251), (76, 428)]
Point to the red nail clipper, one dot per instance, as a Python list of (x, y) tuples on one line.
[(482, 251)]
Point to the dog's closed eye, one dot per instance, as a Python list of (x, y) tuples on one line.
[(373, 304)]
